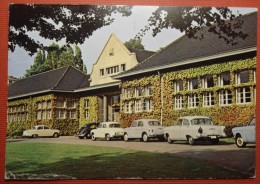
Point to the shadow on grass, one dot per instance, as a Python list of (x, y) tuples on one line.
[(118, 165)]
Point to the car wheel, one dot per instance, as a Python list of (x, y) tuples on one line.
[(93, 137), (169, 140), (88, 136), (125, 137), (191, 140), (81, 137), (145, 137), (55, 135), (240, 142), (34, 136), (107, 137)]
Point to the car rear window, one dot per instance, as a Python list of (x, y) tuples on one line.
[(154, 123), (201, 121)]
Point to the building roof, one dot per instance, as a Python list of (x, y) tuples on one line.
[(64, 79), (188, 49), (141, 55)]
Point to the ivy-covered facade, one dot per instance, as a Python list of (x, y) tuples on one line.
[(188, 77)]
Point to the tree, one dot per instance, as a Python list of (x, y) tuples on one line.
[(56, 57), (192, 19), (72, 22), (135, 43)]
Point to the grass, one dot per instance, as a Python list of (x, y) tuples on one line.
[(46, 161)]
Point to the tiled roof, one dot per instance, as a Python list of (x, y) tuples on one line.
[(185, 48), (62, 79), (141, 55)]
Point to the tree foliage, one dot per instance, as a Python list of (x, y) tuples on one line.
[(192, 19), (56, 57), (135, 43), (73, 22)]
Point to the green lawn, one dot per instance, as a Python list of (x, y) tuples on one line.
[(31, 160)]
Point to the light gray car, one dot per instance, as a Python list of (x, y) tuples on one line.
[(144, 129), (245, 134)]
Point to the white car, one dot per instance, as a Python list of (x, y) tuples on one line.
[(41, 131), (144, 129), (192, 128), (107, 130)]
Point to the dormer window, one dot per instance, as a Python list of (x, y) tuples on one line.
[(101, 72), (122, 67)]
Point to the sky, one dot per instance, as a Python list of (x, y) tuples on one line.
[(124, 27)]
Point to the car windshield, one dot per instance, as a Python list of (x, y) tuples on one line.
[(201, 121), (114, 126), (154, 123), (252, 123)]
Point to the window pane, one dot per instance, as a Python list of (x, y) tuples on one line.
[(244, 76)]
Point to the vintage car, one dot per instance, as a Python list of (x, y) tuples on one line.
[(84, 131), (107, 130), (193, 128), (41, 131), (245, 134), (144, 129)]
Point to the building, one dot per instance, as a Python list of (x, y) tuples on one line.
[(188, 77)]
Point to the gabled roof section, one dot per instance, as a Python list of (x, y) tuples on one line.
[(141, 55), (64, 79), (188, 50)]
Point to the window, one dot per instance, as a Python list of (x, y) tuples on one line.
[(207, 81), (127, 107), (138, 106), (112, 70), (185, 122), (60, 103), (224, 79), (225, 97), (49, 114), (178, 102), (148, 104), (140, 124), (39, 115), (127, 92), (72, 114), (242, 77), (102, 72), (208, 99), (60, 114), (71, 104), (193, 84), (243, 95), (123, 68), (193, 101), (49, 104), (138, 91), (148, 90), (111, 52), (134, 124), (115, 99), (178, 85), (39, 105), (86, 114)]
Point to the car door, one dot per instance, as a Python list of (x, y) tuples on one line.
[(131, 131), (250, 131), (139, 129), (185, 129), (40, 131), (175, 130), (47, 131)]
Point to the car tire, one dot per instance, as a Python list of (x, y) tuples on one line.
[(145, 137), (107, 137), (81, 137), (126, 137), (93, 137), (169, 140), (240, 142), (55, 135), (35, 136), (191, 140)]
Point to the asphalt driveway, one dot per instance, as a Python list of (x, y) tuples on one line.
[(224, 154)]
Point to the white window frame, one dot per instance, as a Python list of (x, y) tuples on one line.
[(208, 99), (138, 90), (224, 97), (72, 114), (238, 77), (204, 81), (148, 104), (176, 85), (128, 107), (193, 100), (148, 90), (220, 79), (178, 102), (62, 102), (190, 84), (59, 113), (241, 95), (138, 105)]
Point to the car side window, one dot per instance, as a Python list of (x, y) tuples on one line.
[(134, 124), (45, 127), (140, 124), (104, 126), (100, 126), (185, 122), (179, 122), (40, 128)]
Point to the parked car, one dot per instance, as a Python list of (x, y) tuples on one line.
[(144, 129), (84, 131), (193, 128), (41, 131), (245, 134), (107, 130)]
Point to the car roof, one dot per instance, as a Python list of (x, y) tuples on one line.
[(146, 120), (110, 122), (192, 117)]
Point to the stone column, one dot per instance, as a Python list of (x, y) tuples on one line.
[(104, 108)]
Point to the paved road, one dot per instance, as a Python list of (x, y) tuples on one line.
[(224, 154)]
